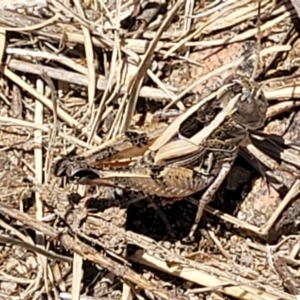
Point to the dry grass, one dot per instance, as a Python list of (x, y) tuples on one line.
[(77, 74)]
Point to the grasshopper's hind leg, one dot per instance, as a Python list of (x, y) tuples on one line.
[(162, 216)]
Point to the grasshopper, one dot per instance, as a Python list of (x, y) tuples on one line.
[(196, 160)]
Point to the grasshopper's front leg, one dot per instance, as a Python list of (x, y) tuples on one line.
[(209, 194)]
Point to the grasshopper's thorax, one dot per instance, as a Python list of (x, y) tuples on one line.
[(249, 113)]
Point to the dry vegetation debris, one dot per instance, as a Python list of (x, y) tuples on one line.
[(75, 74)]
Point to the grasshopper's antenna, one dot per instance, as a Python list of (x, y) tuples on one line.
[(258, 47)]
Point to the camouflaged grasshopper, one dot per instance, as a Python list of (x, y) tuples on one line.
[(197, 159)]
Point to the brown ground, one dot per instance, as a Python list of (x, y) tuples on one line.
[(59, 239)]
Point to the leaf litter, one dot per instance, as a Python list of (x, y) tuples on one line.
[(75, 74)]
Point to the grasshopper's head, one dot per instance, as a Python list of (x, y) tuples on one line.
[(251, 107)]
